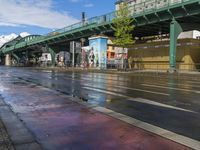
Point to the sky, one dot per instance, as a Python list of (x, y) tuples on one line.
[(44, 16)]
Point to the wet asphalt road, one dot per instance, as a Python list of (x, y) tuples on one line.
[(167, 102)]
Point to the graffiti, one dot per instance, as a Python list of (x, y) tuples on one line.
[(99, 51)]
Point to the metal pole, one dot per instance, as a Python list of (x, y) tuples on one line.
[(83, 17), (175, 30), (73, 54)]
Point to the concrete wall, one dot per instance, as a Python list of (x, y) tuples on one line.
[(156, 55), (7, 60)]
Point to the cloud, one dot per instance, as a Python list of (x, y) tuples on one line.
[(8, 24), (6, 38), (74, 1), (89, 5), (24, 34), (33, 12)]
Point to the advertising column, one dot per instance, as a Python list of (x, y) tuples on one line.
[(98, 52)]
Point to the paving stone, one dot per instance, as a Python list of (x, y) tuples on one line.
[(5, 142), (29, 146), (1, 102)]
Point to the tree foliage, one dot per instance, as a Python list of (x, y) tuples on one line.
[(123, 26)]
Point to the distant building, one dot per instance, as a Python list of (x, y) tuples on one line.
[(146, 4)]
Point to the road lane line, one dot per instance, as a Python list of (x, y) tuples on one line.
[(93, 80), (189, 142), (134, 89), (178, 84), (140, 100), (172, 88), (147, 91), (105, 92)]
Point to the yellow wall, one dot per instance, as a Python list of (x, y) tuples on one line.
[(147, 56), (110, 48)]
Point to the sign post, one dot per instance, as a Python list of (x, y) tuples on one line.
[(75, 47), (72, 50)]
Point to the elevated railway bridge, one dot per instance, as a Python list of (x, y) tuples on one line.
[(151, 17)]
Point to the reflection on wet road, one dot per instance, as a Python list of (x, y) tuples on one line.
[(169, 103)]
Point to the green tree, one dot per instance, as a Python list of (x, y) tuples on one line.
[(123, 26)]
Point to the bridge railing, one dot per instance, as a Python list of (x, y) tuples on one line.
[(98, 20), (135, 10)]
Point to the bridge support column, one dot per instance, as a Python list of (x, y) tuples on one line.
[(175, 30), (7, 60), (53, 56), (16, 57)]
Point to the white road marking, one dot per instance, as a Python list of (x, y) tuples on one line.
[(134, 89), (181, 84), (172, 88), (189, 142), (103, 91), (140, 100), (194, 144), (141, 90)]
